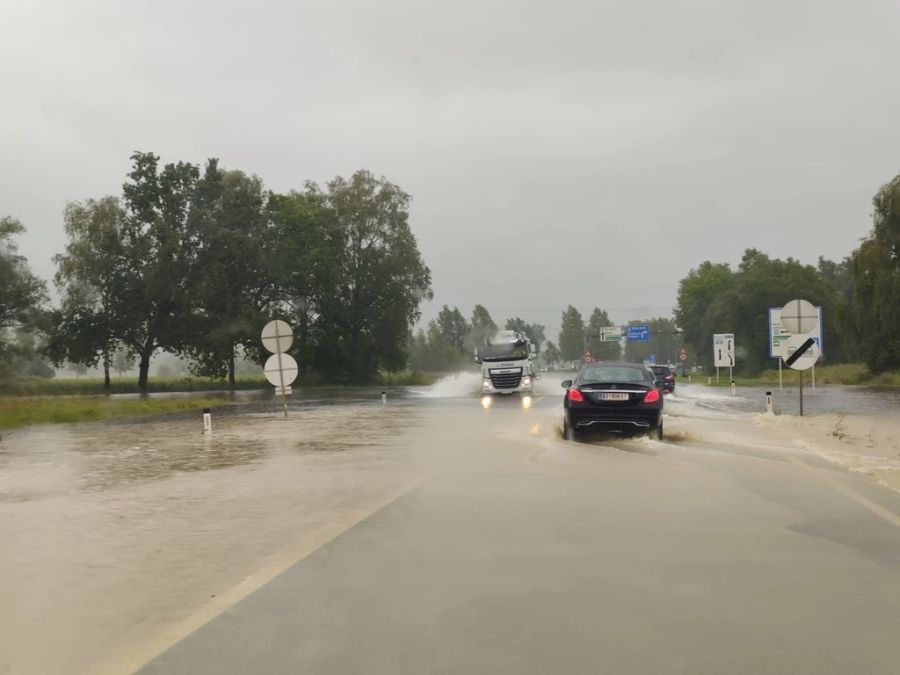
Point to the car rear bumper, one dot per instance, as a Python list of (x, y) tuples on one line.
[(614, 421)]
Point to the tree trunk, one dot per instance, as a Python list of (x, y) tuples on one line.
[(231, 370), (106, 369), (143, 371)]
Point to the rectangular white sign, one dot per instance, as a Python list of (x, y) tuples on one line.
[(777, 333), (723, 350)]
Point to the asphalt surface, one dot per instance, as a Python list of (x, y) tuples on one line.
[(519, 553)]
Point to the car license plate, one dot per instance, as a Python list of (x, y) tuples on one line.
[(613, 397)]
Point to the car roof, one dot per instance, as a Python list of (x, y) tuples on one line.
[(612, 364)]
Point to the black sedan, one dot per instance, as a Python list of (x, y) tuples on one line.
[(665, 378), (620, 398)]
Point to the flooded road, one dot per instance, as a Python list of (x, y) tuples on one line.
[(122, 539)]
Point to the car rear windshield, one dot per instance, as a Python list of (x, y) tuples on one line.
[(612, 374)]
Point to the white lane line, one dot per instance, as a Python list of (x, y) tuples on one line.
[(135, 656)]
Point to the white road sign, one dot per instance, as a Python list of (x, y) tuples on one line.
[(723, 350), (779, 334), (800, 352), (799, 317), (277, 336), (281, 369), (611, 334)]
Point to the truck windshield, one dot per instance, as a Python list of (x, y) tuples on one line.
[(501, 352)]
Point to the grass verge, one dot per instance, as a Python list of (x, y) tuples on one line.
[(19, 412), (839, 373)]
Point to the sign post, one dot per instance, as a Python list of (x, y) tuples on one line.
[(280, 369), (800, 352), (723, 354), (780, 331)]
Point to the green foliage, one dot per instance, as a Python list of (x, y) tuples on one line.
[(21, 293), (714, 299), (874, 313), (453, 327), (195, 265), (483, 326), (86, 328), (571, 335), (601, 351), (551, 356), (430, 351)]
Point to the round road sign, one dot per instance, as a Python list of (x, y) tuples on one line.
[(799, 317), (800, 352), (277, 336), (682, 355), (281, 369)]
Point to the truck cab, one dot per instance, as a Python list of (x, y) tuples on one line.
[(507, 364)]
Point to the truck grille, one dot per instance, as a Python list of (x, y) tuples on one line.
[(506, 380)]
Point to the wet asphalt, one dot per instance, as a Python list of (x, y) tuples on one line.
[(520, 553)]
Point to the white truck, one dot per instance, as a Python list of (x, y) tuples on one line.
[(507, 364)]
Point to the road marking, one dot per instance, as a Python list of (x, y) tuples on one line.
[(132, 658), (865, 502)]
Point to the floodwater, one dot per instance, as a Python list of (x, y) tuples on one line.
[(112, 531)]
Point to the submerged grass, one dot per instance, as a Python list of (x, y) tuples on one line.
[(23, 411)]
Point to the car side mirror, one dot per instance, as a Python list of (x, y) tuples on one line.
[(566, 384)]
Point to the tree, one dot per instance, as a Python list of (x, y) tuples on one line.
[(551, 356), (88, 275), (122, 361), (534, 331), (696, 293), (159, 249), (381, 279), (232, 282), (21, 293), (453, 327), (483, 326), (601, 351), (874, 314), (571, 335)]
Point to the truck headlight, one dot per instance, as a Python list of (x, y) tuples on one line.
[(486, 384), (526, 381)]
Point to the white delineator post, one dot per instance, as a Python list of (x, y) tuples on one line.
[(770, 408), (207, 421)]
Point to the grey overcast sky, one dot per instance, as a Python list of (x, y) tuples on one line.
[(577, 151)]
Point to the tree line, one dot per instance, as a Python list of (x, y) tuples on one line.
[(448, 342), (194, 261), (860, 296)]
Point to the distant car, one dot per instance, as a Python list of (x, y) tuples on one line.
[(665, 378), (621, 398)]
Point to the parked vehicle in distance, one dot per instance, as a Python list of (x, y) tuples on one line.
[(665, 378), (620, 398)]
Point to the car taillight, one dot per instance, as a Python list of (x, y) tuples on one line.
[(575, 395), (652, 396)]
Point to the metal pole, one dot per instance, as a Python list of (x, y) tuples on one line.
[(801, 393), (814, 377), (717, 375), (281, 372), (780, 382)]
